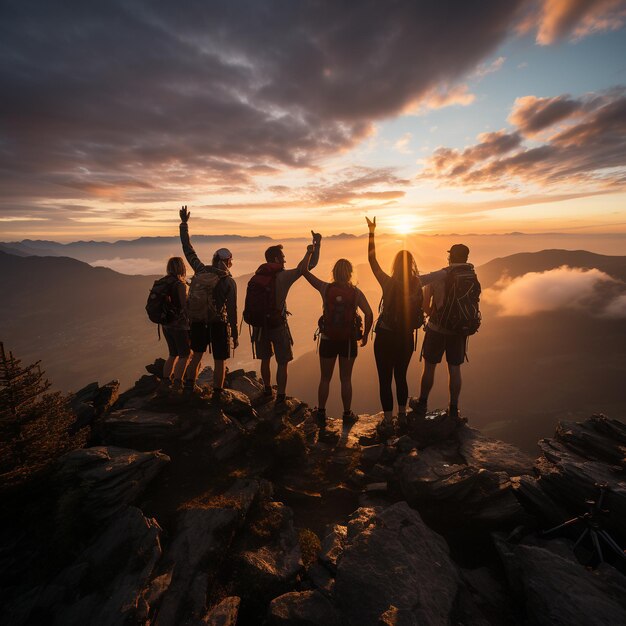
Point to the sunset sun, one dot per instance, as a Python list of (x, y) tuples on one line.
[(405, 224)]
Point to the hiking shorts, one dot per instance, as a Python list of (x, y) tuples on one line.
[(331, 348), (270, 341), (436, 343), (177, 341), (214, 335)]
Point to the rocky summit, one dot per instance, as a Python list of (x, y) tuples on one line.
[(204, 510)]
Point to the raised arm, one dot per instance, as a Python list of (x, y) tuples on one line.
[(315, 257), (364, 305), (190, 254), (381, 276), (303, 268)]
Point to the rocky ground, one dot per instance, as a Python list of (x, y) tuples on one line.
[(196, 511)]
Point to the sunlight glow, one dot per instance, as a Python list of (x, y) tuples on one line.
[(405, 224)]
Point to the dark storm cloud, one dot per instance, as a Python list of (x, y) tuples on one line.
[(127, 95), (586, 144)]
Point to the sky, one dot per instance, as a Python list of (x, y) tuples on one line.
[(275, 117)]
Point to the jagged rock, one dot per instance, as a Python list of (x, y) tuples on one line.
[(431, 428), (272, 568), (156, 368), (491, 454), (460, 492), (392, 559), (537, 501), (305, 608), (371, 454), (570, 480), (332, 546), (92, 401), (322, 579), (108, 478), (405, 444), (559, 591), (201, 540), (251, 388), (489, 594), (290, 443), (141, 429), (597, 438), (236, 404), (105, 585), (227, 437), (137, 396), (224, 614), (380, 473)]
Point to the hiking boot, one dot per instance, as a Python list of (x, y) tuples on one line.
[(320, 417), (164, 388), (403, 423), (217, 395), (266, 396), (280, 406), (385, 429), (420, 407), (177, 386), (349, 417), (192, 389)]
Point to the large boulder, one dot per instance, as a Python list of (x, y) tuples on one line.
[(106, 583), (491, 454), (558, 591), (223, 614), (106, 478), (392, 559), (141, 429), (272, 568), (305, 608)]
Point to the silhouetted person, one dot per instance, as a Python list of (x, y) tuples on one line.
[(340, 330), (451, 302), (176, 332), (266, 312), (212, 306), (400, 316)]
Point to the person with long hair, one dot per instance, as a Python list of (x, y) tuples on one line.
[(400, 316), (340, 333), (176, 332)]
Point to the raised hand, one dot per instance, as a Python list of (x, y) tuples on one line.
[(184, 214), (309, 248), (316, 238), (371, 224), (364, 341)]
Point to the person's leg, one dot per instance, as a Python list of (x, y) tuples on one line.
[(384, 366), (428, 379), (345, 376), (169, 366), (327, 367), (219, 373), (191, 373), (403, 354), (182, 347), (281, 379), (179, 368), (454, 372), (266, 373), (198, 336)]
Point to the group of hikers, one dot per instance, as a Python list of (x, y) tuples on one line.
[(205, 316)]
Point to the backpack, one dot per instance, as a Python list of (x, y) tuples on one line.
[(260, 307), (340, 320), (459, 313), (160, 305), (200, 301), (400, 314)]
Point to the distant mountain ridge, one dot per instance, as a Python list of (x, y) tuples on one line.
[(524, 262)]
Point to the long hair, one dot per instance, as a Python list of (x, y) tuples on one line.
[(342, 272), (403, 286), (176, 267)]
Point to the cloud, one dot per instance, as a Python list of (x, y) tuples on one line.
[(137, 100), (569, 288), (584, 144), (559, 19), (132, 266), (489, 68)]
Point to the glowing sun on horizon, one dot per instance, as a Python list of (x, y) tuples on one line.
[(405, 224)]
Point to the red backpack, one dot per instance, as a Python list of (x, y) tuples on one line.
[(260, 308), (340, 321)]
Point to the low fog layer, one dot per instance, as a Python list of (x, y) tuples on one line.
[(563, 288)]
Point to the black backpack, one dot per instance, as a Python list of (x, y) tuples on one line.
[(460, 313), (398, 313), (160, 306)]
